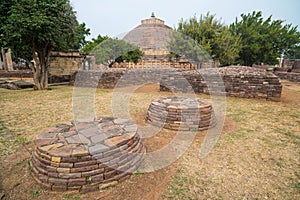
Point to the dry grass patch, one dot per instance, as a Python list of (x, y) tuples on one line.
[(257, 160), (256, 157)]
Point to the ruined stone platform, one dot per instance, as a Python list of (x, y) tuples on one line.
[(181, 113), (87, 156)]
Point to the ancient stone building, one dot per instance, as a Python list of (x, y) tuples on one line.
[(152, 36), (63, 65)]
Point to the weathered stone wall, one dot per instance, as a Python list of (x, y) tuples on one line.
[(106, 79), (290, 76), (251, 83), (293, 64), (243, 82), (16, 74), (123, 77), (63, 65)]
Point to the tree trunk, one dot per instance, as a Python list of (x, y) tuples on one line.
[(40, 72)]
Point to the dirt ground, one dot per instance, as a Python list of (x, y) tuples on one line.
[(252, 160)]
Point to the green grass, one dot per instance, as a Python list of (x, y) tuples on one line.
[(69, 196), (138, 172), (21, 140), (29, 166), (178, 188), (35, 192)]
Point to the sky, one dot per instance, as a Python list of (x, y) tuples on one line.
[(115, 17)]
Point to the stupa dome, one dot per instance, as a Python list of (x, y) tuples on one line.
[(151, 34)]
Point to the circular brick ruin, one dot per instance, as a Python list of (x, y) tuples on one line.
[(87, 156), (181, 113)]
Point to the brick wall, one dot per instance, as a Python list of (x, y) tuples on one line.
[(290, 76), (63, 65), (16, 74), (243, 82)]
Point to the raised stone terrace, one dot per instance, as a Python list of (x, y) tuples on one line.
[(181, 113), (87, 156)]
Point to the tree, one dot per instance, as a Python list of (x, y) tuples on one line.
[(295, 55), (89, 46), (34, 28), (213, 36), (181, 45), (4, 9), (263, 41), (77, 38), (115, 50)]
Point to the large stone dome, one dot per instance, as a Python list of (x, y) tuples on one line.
[(151, 36)]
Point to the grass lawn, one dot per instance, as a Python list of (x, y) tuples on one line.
[(256, 157)]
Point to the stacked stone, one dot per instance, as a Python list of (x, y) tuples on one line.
[(64, 63), (290, 76), (251, 82), (237, 81), (87, 156), (181, 113), (16, 74)]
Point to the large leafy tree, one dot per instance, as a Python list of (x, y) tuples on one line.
[(213, 36), (264, 40), (5, 6), (34, 28), (90, 45), (181, 45), (114, 50)]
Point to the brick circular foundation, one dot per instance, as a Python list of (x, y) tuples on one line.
[(87, 156), (181, 113)]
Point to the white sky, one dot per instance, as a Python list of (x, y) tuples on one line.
[(114, 17)]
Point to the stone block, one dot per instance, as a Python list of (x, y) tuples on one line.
[(69, 175), (90, 188), (85, 164), (98, 148), (53, 174), (85, 168), (97, 178), (58, 181), (61, 188), (76, 182), (92, 172), (56, 159), (66, 165), (63, 170), (80, 151)]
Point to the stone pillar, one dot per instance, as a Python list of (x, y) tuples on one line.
[(1, 63), (9, 60), (8, 64), (3, 59)]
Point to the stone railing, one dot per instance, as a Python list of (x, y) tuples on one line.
[(159, 65)]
